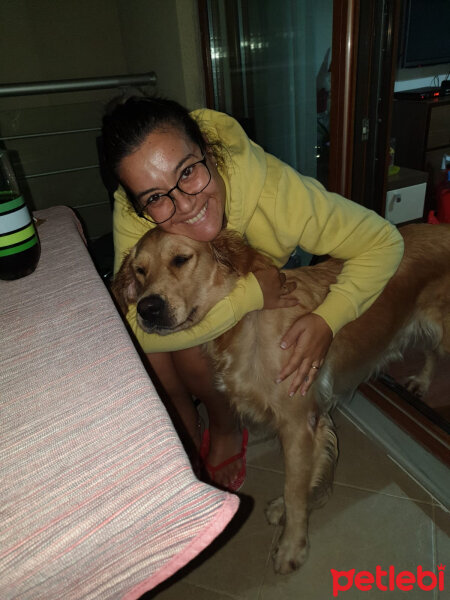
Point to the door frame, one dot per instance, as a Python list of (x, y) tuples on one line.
[(343, 85), (362, 85)]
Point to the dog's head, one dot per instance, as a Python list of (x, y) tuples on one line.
[(174, 280)]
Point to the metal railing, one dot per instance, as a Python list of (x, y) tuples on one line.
[(75, 85), (69, 85)]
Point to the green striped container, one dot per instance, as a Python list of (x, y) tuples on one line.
[(19, 243)]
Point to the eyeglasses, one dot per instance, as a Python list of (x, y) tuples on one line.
[(159, 208)]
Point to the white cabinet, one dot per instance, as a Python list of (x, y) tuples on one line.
[(405, 197), (405, 204)]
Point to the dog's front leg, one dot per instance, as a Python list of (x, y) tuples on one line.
[(297, 443)]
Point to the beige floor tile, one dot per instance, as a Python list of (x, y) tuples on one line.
[(265, 452), (358, 530), (362, 463), (238, 567)]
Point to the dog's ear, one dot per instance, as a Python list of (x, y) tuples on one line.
[(232, 252), (123, 287), (227, 249)]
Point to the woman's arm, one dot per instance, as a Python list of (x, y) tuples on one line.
[(326, 223), (245, 297)]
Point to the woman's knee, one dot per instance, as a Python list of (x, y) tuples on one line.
[(165, 371), (195, 370)]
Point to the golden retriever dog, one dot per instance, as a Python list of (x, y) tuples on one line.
[(175, 281)]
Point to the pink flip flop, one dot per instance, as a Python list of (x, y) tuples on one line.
[(238, 482)]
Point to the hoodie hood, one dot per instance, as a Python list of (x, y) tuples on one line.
[(242, 157)]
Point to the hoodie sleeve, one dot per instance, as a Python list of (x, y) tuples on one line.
[(325, 223), (245, 297)]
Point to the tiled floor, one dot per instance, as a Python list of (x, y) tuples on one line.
[(376, 515)]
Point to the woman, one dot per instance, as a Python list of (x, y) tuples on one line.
[(194, 174)]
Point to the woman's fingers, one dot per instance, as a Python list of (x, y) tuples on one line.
[(309, 338), (275, 288)]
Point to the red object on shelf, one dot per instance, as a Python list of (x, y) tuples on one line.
[(443, 199), (442, 212), (432, 218)]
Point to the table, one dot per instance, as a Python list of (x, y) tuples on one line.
[(98, 499)]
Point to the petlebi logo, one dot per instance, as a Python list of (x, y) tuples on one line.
[(389, 579)]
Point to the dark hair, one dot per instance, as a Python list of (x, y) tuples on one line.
[(128, 123)]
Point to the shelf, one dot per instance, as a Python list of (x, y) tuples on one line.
[(405, 178)]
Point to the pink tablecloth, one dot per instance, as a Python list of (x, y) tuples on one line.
[(97, 496)]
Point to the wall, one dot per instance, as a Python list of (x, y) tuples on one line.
[(165, 35), (51, 40), (408, 79)]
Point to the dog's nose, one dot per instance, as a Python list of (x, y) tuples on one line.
[(151, 307)]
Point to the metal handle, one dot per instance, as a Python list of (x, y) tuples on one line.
[(396, 198)]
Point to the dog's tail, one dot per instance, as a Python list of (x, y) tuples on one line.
[(325, 456)]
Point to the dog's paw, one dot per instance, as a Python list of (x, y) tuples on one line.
[(275, 511), (290, 556), (418, 385)]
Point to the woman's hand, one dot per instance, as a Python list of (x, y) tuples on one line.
[(275, 288), (311, 337)]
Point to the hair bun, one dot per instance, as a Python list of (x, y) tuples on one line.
[(129, 94)]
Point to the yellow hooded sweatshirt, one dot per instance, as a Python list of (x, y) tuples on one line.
[(276, 209)]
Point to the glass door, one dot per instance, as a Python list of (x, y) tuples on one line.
[(270, 68)]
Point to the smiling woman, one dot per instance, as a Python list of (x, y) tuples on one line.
[(195, 203), (196, 173), (160, 207)]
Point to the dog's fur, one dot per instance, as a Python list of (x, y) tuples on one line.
[(175, 281)]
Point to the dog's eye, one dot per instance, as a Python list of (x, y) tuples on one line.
[(140, 271), (179, 260)]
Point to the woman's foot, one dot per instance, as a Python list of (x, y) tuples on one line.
[(224, 457)]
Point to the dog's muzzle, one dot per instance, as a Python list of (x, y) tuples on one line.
[(153, 312)]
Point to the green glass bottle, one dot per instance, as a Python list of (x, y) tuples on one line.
[(19, 243)]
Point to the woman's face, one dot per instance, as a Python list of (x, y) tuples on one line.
[(157, 166)]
